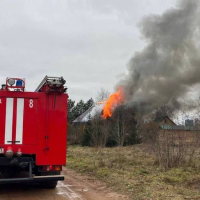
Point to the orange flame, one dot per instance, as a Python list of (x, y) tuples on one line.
[(113, 100)]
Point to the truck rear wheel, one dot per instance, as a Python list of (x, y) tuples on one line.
[(49, 184)]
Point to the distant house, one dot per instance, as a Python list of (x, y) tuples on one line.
[(165, 123), (171, 132), (94, 110), (164, 120)]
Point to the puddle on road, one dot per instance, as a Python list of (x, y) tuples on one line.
[(66, 191)]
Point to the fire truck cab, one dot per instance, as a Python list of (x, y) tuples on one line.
[(33, 129)]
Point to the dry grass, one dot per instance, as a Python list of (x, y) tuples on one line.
[(132, 170)]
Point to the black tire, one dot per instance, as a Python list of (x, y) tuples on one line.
[(49, 184)]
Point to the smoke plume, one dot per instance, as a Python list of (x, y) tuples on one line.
[(169, 66)]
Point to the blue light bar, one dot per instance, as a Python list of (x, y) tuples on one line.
[(19, 83)]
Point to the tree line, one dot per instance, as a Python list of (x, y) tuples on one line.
[(76, 109)]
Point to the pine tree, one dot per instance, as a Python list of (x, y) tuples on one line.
[(79, 108), (70, 106), (89, 103), (75, 111)]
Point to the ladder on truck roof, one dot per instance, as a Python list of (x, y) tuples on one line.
[(50, 81)]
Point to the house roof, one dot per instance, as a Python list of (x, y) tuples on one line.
[(90, 113), (161, 118)]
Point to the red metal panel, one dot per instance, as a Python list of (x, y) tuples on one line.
[(55, 142), (57, 118), (30, 121), (2, 119)]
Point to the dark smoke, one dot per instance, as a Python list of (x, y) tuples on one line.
[(169, 66)]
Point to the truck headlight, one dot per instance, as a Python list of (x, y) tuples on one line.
[(9, 152), (11, 81)]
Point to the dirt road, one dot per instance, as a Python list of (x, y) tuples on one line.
[(75, 187)]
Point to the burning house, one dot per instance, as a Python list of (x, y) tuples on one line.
[(104, 108)]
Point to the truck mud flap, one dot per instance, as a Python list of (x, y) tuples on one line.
[(35, 179)]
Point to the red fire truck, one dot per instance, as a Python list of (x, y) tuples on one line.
[(33, 129)]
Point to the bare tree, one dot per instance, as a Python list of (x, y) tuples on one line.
[(124, 125), (100, 131), (75, 133), (102, 95)]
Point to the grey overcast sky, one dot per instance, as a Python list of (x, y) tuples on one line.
[(88, 42)]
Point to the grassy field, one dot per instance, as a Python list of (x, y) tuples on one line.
[(132, 170)]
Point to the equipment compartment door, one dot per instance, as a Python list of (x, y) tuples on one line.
[(18, 121), (30, 121)]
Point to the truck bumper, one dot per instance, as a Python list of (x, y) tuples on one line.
[(30, 178), (35, 179)]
